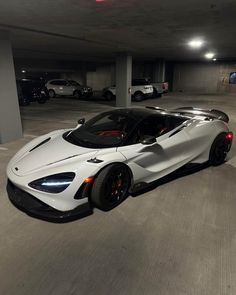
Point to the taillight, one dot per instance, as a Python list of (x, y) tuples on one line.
[(229, 135)]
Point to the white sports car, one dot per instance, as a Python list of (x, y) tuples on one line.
[(64, 174)]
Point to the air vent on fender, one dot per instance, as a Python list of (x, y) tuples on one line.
[(41, 143)]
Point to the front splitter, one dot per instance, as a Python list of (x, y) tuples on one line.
[(35, 208)]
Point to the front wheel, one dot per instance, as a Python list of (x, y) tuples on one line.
[(77, 94), (51, 93), (110, 187), (218, 150), (138, 96)]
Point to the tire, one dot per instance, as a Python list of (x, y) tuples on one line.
[(155, 93), (138, 96), (77, 94), (108, 96), (219, 150), (110, 187), (51, 93)]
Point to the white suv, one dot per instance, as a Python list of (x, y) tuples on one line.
[(67, 88), (141, 88)]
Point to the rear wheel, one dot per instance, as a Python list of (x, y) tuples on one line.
[(51, 93), (110, 187), (138, 96), (219, 150)]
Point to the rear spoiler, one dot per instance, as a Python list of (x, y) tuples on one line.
[(211, 114)]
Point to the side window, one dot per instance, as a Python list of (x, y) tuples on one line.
[(140, 82), (152, 126), (156, 126), (63, 83), (59, 82), (73, 83)]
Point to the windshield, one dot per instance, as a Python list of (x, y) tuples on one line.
[(74, 83), (103, 131)]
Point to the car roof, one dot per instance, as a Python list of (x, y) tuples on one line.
[(141, 113)]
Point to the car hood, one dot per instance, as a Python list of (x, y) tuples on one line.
[(56, 151)]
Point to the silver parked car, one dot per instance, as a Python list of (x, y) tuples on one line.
[(67, 88)]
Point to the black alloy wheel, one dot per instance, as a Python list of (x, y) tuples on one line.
[(110, 187), (219, 150)]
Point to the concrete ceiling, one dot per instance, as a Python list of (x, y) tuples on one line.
[(86, 30)]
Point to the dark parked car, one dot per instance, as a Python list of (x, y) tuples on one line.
[(31, 90)]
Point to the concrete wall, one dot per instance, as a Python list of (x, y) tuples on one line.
[(210, 77), (101, 76)]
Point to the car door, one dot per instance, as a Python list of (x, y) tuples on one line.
[(58, 86), (70, 87), (66, 88), (152, 161)]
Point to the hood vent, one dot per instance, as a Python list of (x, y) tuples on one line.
[(41, 143)]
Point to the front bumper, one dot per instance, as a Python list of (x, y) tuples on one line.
[(35, 208)]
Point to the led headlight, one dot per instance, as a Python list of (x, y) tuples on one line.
[(56, 183)]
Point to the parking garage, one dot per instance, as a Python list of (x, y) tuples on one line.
[(177, 236)]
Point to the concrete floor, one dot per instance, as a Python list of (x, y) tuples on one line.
[(178, 238)]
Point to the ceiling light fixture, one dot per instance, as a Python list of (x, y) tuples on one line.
[(214, 59), (23, 71), (209, 55), (195, 43)]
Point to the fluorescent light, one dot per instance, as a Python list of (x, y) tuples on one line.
[(209, 55), (195, 43)]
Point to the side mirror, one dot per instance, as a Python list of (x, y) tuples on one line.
[(148, 140), (81, 121)]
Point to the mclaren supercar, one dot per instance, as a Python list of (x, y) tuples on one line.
[(65, 173)]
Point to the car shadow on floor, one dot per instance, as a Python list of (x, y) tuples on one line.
[(181, 172)]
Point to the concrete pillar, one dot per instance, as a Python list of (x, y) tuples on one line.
[(10, 122), (159, 71), (123, 80)]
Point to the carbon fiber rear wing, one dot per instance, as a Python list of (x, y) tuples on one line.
[(211, 114)]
